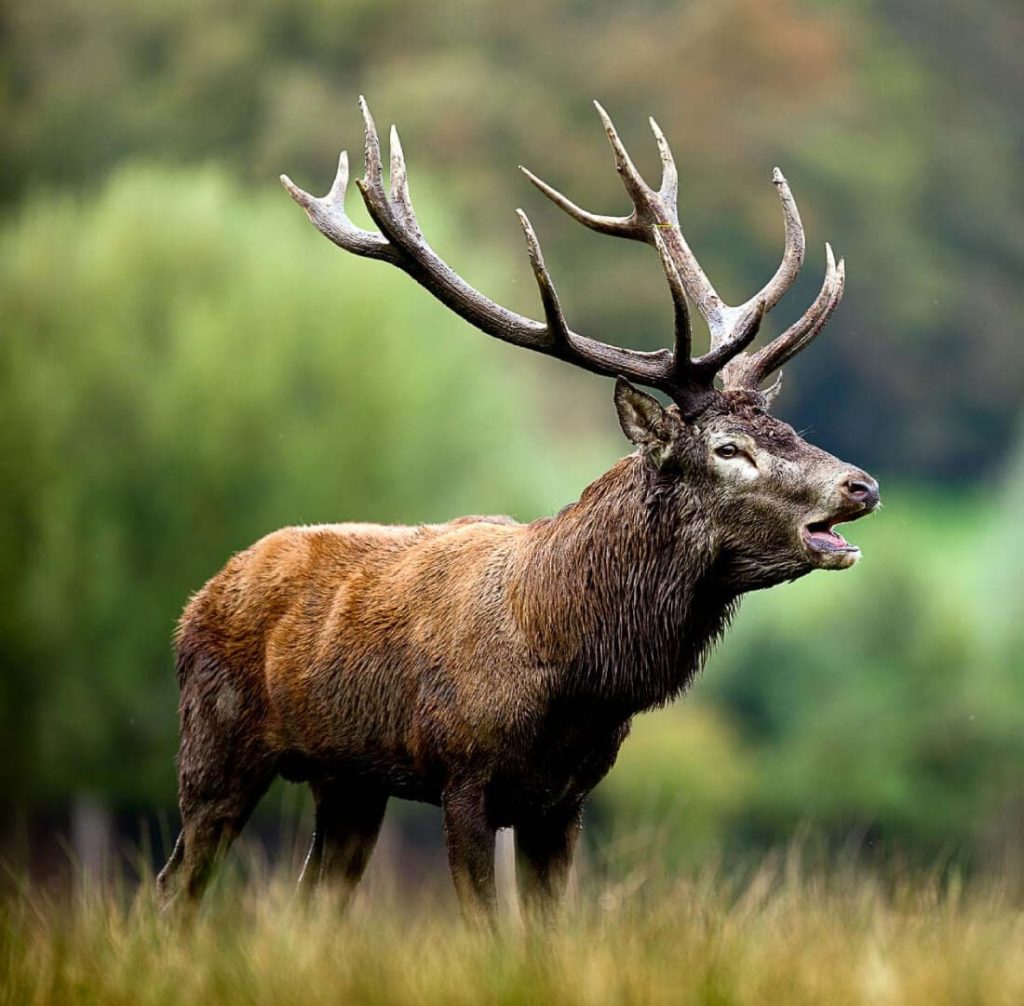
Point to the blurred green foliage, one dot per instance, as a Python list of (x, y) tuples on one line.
[(897, 122), (185, 365)]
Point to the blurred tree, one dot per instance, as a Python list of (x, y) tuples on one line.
[(682, 781), (927, 208)]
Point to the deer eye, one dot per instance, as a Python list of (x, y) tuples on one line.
[(727, 451)]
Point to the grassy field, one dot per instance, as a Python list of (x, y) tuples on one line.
[(782, 935)]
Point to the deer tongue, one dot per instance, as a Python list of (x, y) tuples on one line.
[(822, 536)]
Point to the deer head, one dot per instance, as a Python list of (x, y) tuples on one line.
[(769, 499)]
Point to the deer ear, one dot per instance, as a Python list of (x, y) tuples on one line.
[(641, 417)]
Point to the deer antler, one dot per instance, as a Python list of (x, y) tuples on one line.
[(654, 220)]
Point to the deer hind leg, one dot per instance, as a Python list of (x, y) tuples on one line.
[(347, 823), (223, 770), (210, 823), (166, 879)]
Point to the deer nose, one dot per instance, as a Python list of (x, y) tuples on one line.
[(862, 488)]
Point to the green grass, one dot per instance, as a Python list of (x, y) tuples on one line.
[(783, 935)]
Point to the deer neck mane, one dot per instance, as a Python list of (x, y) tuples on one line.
[(619, 592)]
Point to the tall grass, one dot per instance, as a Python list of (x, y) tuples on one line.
[(781, 935)]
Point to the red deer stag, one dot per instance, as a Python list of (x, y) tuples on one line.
[(493, 667)]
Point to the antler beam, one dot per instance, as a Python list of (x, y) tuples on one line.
[(400, 242)]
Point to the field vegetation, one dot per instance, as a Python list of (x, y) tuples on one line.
[(783, 932)]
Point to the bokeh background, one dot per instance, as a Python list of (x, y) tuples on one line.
[(186, 365)]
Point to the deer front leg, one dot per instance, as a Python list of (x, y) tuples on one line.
[(469, 839), (348, 820), (544, 850)]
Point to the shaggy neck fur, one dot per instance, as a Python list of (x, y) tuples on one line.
[(617, 594)]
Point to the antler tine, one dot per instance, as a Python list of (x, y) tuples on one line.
[(793, 253), (639, 191), (560, 333), (394, 226), (329, 217), (806, 331), (750, 370), (742, 333), (301, 196), (684, 333), (654, 220), (336, 194), (725, 321), (669, 190), (728, 324), (400, 182), (616, 226), (371, 185), (373, 169), (633, 225), (802, 331)]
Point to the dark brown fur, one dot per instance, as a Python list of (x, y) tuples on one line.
[(487, 666)]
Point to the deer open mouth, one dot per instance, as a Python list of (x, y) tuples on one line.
[(821, 536)]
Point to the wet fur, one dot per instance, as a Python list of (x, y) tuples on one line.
[(484, 665)]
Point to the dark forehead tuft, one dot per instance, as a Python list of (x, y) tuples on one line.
[(747, 408), (773, 434), (747, 411)]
